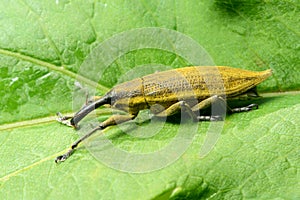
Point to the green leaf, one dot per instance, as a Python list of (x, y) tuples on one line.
[(42, 47)]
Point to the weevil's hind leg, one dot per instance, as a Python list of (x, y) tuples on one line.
[(239, 109), (253, 92), (113, 120), (244, 109)]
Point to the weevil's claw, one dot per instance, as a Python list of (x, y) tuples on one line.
[(64, 157), (61, 158), (63, 119)]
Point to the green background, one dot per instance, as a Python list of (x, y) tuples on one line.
[(42, 46)]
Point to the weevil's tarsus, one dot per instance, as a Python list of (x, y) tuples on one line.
[(235, 110), (210, 118), (63, 157), (245, 109)]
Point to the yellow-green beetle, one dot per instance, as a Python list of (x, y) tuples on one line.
[(191, 88)]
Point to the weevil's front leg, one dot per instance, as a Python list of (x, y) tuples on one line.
[(113, 120)]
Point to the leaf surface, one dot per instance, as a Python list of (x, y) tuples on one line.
[(42, 46)]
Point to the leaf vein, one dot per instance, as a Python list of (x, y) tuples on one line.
[(50, 66)]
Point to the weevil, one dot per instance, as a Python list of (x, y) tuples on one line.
[(188, 89)]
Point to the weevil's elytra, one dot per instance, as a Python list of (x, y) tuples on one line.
[(172, 90)]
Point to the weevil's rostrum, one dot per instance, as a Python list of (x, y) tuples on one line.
[(193, 88)]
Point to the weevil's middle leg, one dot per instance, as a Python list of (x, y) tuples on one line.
[(182, 105), (113, 120)]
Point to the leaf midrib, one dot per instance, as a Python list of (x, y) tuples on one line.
[(61, 69), (31, 122)]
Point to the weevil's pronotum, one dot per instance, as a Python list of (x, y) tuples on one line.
[(172, 90)]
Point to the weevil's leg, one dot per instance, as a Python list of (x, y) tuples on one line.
[(175, 108), (63, 157), (117, 119), (244, 109), (205, 104), (113, 120), (210, 118), (252, 92)]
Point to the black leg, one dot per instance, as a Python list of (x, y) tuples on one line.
[(210, 118), (244, 109), (113, 120), (63, 157)]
